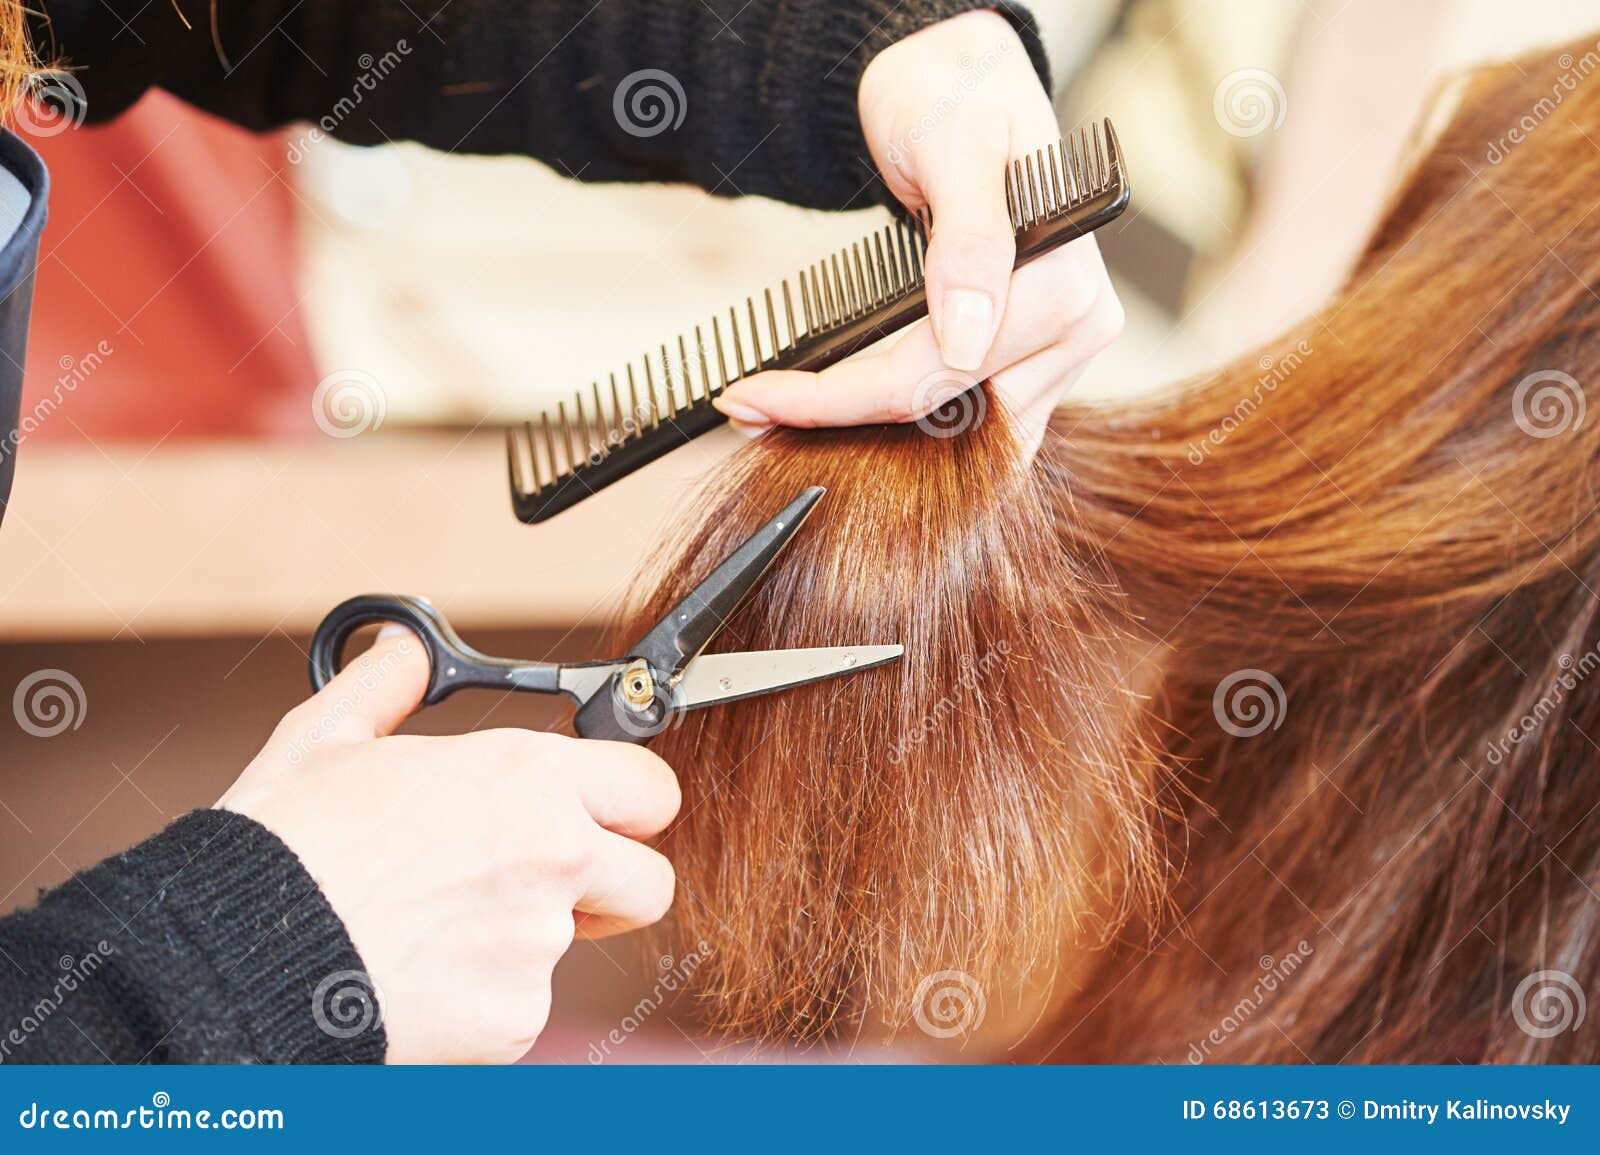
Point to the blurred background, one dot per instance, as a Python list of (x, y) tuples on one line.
[(285, 365)]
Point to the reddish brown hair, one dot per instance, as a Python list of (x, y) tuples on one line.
[(1301, 723)]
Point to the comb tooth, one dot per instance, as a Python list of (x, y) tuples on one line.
[(916, 253), (617, 419), (824, 295), (755, 331), (1055, 180), (1035, 209), (863, 286), (529, 481), (519, 479), (1080, 154), (685, 370), (885, 279), (650, 389), (666, 378), (1045, 200), (705, 369), (852, 280), (1100, 159), (837, 287), (722, 357), (738, 345), (1113, 152), (1069, 155), (583, 429), (549, 446), (788, 313), (602, 434), (900, 252), (805, 305), (772, 323), (1011, 200), (566, 435)]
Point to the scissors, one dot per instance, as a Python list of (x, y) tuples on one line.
[(635, 697)]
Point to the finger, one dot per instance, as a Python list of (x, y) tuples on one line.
[(971, 252), (1051, 299), (627, 885), (370, 697), (625, 788)]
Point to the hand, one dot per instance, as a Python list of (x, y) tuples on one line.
[(461, 866), (943, 111)]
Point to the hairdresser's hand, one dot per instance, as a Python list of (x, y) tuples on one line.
[(943, 111), (459, 865)]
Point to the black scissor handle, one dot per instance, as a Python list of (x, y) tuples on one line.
[(452, 664)]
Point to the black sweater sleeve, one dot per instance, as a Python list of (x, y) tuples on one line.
[(737, 96), (209, 943)]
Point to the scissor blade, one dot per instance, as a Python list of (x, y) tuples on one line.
[(715, 678), (695, 620)]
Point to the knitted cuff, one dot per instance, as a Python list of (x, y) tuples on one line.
[(851, 34), (282, 960)]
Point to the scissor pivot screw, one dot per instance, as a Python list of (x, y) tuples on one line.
[(638, 686)]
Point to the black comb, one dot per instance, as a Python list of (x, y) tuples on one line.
[(838, 306)]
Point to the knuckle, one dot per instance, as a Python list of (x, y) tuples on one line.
[(657, 888), (656, 781)]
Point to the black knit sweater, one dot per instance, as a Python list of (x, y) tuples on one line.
[(210, 942)]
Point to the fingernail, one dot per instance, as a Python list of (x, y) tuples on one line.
[(966, 327), (736, 411), (392, 630)]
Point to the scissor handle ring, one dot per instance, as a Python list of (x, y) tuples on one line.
[(438, 640)]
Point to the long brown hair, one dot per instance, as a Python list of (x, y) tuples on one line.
[(1299, 726)]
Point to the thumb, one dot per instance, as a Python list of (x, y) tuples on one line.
[(972, 250), (371, 696)]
